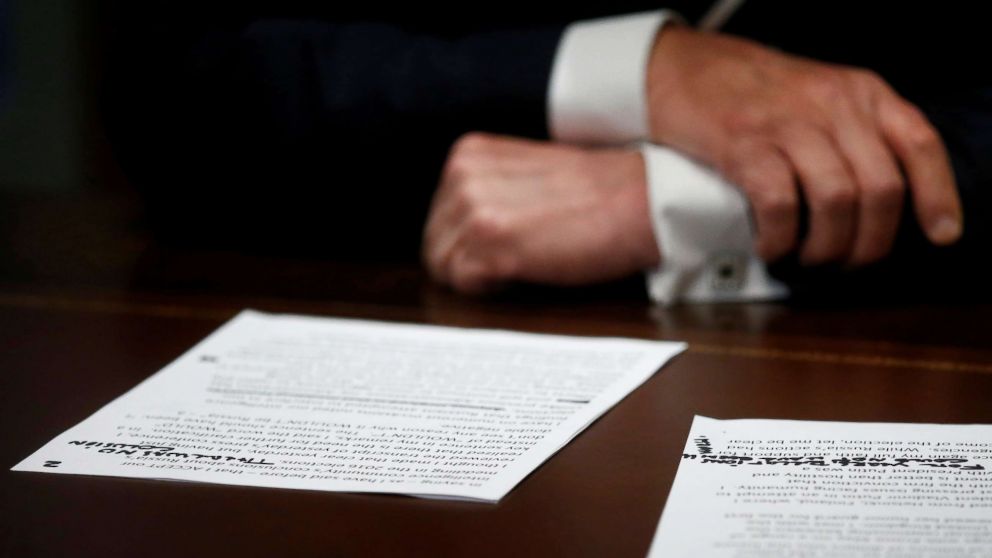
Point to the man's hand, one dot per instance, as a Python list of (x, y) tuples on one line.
[(510, 209), (769, 122)]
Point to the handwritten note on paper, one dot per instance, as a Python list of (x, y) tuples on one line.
[(749, 488), (348, 405)]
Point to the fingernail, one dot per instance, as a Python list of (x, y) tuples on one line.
[(945, 231)]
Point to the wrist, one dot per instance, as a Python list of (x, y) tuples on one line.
[(634, 230), (662, 77)]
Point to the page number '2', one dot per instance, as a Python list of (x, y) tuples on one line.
[(52, 464)]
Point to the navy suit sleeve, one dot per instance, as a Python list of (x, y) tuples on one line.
[(372, 80), (282, 115)]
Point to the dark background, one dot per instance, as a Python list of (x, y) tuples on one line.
[(90, 88)]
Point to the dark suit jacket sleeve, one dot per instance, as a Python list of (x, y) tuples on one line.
[(308, 78), (342, 116)]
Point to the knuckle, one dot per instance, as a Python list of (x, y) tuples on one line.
[(867, 80), (884, 194), (457, 168), (922, 137), (914, 128), (908, 114), (768, 186), (754, 118), (795, 134), (470, 193), (775, 205), (827, 87), (837, 199), (752, 168), (464, 156), (464, 195), (472, 274), (472, 143), (485, 223)]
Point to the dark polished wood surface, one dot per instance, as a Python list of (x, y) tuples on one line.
[(89, 307)]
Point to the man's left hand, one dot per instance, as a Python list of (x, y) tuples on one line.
[(520, 210)]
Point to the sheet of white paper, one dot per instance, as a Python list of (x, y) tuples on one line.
[(750, 488), (348, 405)]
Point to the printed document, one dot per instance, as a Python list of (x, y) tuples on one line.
[(347, 405), (750, 488)]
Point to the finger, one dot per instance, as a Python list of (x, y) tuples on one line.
[(483, 255), (879, 183), (830, 193), (438, 253), (476, 252), (471, 274), (925, 161), (764, 175), (445, 224), (438, 222)]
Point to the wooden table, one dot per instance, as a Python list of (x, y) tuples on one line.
[(90, 308)]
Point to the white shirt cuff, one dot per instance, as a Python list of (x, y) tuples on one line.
[(598, 85), (703, 228)]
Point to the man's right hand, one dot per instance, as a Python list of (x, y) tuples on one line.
[(781, 126)]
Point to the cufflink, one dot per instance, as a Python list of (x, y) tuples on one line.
[(727, 271)]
